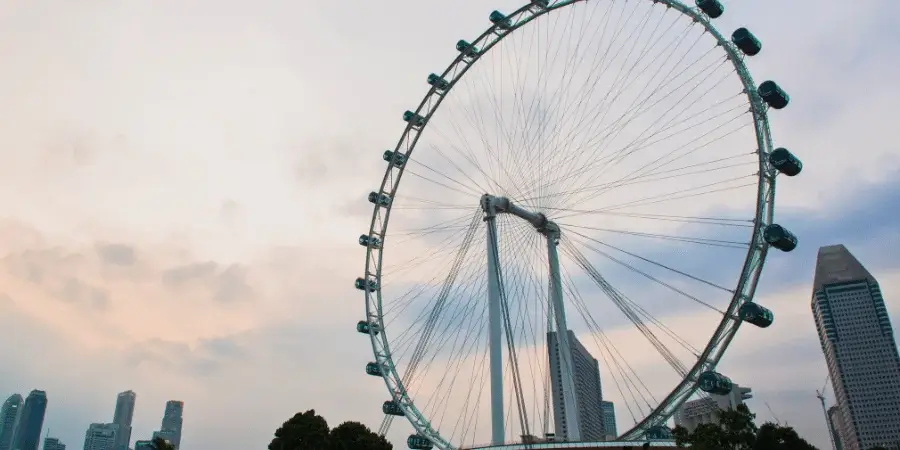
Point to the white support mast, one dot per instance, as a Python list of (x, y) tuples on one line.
[(495, 326)]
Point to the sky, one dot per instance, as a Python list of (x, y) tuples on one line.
[(184, 183)]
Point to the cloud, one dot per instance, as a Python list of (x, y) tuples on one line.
[(182, 200), (117, 254)]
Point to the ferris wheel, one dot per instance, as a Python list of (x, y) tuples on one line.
[(586, 206)]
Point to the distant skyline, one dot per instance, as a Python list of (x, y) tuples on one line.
[(183, 192), (172, 423), (114, 435), (31, 421), (123, 416), (10, 414), (52, 443)]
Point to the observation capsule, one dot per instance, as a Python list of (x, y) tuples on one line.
[(773, 95), (417, 442), (466, 48), (366, 285), (757, 315), (659, 432), (541, 3), (438, 82), (746, 41), (712, 8), (379, 199), (369, 241), (391, 408), (714, 383), (779, 237), (785, 162), (413, 118), (396, 158), (373, 369), (500, 19), (366, 328)]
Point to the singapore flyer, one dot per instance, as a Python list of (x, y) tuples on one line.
[(576, 215)]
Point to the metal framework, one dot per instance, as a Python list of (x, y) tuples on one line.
[(389, 187)]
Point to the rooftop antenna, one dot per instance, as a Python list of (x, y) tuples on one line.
[(821, 396)]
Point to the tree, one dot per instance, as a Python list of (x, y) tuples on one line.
[(309, 431), (356, 436), (159, 443), (776, 437), (736, 430), (304, 431)]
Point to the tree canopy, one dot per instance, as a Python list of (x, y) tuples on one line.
[(736, 430), (159, 443), (309, 431)]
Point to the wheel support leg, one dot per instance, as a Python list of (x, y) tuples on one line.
[(570, 403), (495, 333)]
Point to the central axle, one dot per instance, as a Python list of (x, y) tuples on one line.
[(492, 205)]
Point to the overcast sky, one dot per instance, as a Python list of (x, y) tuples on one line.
[(178, 179)]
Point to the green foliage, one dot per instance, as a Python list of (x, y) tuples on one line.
[(777, 437), (304, 431), (737, 430), (159, 443), (356, 436), (309, 431)]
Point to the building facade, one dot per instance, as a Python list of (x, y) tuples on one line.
[(173, 419), (122, 417), (834, 422), (706, 409), (28, 433), (860, 350), (143, 445), (588, 390), (10, 414), (52, 443), (609, 420), (100, 436)]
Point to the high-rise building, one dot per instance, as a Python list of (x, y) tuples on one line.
[(10, 414), (143, 445), (609, 419), (122, 417), (28, 434), (834, 424), (706, 409), (171, 423), (101, 436), (52, 443), (860, 351), (588, 391)]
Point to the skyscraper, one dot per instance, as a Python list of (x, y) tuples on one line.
[(171, 423), (588, 391), (100, 436), (609, 419), (52, 443), (122, 417), (28, 436), (860, 351), (9, 420), (834, 424)]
